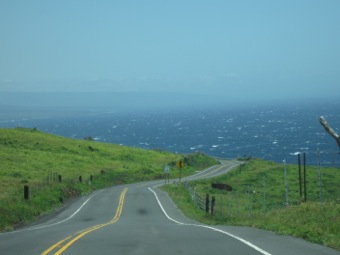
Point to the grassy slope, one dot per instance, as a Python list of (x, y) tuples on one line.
[(29, 157), (246, 205)]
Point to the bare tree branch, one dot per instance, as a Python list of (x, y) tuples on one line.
[(329, 130)]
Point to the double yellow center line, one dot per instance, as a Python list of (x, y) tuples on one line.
[(62, 245)]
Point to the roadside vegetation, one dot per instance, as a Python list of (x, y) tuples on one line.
[(56, 169), (258, 199)]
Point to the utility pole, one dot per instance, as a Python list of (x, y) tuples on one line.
[(304, 176), (286, 183), (319, 176), (300, 179)]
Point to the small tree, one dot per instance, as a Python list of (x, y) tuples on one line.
[(89, 138)]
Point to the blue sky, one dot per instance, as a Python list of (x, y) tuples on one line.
[(231, 49)]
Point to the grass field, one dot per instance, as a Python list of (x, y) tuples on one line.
[(36, 159), (258, 199)]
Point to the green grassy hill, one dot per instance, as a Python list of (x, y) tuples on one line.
[(36, 159)]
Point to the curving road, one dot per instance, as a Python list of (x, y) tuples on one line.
[(141, 219)]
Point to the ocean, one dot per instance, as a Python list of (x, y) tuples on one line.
[(274, 131)]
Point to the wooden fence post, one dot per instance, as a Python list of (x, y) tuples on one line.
[(212, 205), (207, 203), (26, 192)]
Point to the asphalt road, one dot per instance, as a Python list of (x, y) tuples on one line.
[(141, 219)]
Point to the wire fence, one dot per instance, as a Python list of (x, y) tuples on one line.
[(197, 199), (264, 194), (243, 202), (68, 186)]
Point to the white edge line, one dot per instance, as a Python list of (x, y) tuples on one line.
[(56, 223), (212, 228), (70, 217)]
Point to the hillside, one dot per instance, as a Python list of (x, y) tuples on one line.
[(37, 159)]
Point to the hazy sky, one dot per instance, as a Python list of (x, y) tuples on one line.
[(239, 49)]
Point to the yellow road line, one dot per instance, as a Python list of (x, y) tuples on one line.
[(55, 245), (209, 173), (82, 233)]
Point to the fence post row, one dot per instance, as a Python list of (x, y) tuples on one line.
[(253, 197), (47, 181)]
